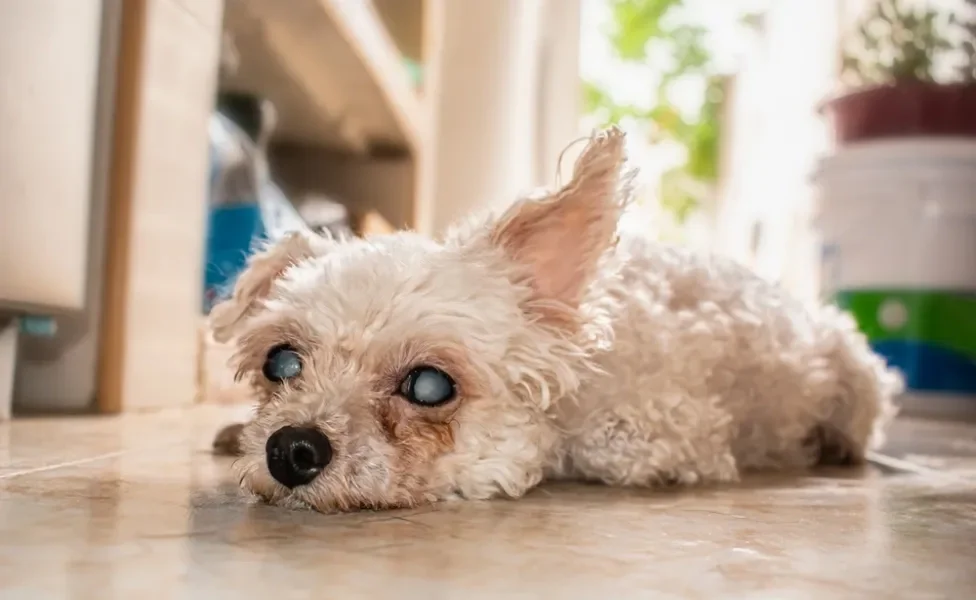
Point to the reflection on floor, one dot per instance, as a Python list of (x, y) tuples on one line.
[(135, 507)]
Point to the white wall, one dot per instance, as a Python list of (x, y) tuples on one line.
[(502, 88), (777, 137)]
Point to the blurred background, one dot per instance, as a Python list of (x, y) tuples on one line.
[(148, 144)]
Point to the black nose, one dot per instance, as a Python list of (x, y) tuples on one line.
[(296, 455)]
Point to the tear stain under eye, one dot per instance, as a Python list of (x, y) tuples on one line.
[(417, 440)]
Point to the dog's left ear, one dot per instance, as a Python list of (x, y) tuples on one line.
[(559, 239), (255, 283)]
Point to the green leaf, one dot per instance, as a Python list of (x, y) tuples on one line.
[(635, 23), (680, 194), (636, 27)]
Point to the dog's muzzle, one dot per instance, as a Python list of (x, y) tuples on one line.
[(296, 455)]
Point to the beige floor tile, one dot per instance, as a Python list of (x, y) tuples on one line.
[(136, 507)]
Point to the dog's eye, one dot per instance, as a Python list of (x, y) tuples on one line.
[(282, 363), (427, 386)]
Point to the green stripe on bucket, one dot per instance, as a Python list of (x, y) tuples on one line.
[(943, 319)]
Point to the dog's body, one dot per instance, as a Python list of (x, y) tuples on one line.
[(712, 371), (567, 355)]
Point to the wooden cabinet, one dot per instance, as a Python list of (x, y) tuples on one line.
[(49, 54)]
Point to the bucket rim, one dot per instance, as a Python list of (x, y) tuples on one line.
[(919, 155)]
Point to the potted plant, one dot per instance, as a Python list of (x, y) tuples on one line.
[(891, 64)]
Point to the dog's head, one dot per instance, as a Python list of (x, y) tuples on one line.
[(397, 370)]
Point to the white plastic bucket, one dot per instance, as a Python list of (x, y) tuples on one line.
[(897, 221)]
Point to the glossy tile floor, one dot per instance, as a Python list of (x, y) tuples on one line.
[(136, 507)]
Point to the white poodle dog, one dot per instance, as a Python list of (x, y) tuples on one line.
[(399, 370)]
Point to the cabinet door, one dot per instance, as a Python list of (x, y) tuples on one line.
[(49, 52)]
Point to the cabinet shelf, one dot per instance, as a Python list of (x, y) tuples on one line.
[(332, 70)]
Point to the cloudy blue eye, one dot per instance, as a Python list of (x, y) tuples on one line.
[(282, 363), (427, 386)]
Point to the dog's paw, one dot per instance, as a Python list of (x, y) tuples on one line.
[(228, 440)]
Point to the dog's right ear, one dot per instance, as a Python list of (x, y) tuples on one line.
[(255, 283), (558, 240)]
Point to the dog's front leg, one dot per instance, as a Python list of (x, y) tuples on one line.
[(227, 442), (671, 440)]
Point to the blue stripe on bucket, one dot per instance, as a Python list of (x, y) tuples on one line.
[(929, 368)]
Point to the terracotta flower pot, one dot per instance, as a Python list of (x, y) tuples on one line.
[(904, 110)]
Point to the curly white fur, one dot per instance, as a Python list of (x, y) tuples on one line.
[(712, 371), (577, 355)]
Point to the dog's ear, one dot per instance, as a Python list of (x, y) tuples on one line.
[(255, 282), (560, 238)]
